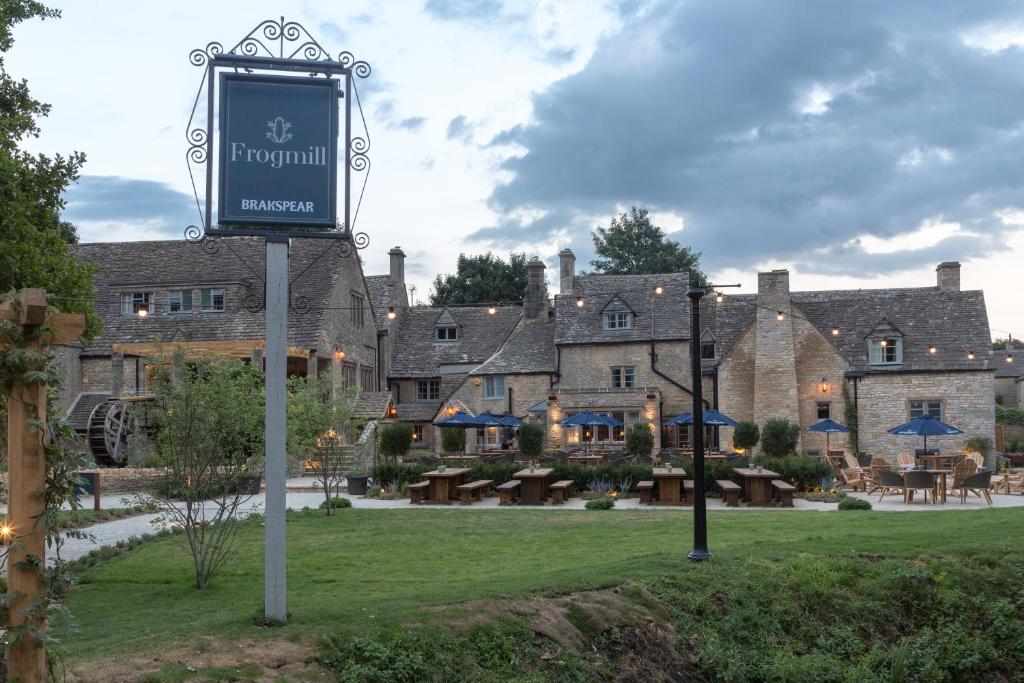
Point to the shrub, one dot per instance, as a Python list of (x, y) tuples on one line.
[(498, 472), (600, 504), (337, 502), (639, 439), (531, 440), (402, 473), (453, 439), (746, 435), (979, 444), (779, 436), (1009, 416), (395, 440), (851, 503)]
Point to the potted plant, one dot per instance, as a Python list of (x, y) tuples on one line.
[(356, 480)]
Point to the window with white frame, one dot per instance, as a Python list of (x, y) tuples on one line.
[(180, 301), (494, 387), (708, 349), (885, 351), (428, 389), (417, 434), (824, 410), (133, 303), (623, 377), (447, 333), (619, 320), (919, 407), (211, 300)]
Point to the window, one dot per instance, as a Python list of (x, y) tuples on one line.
[(494, 387), (428, 389), (885, 351), (622, 320), (447, 333), (356, 311), (623, 378), (134, 302), (366, 376), (925, 407), (824, 411), (180, 301), (707, 350), (348, 374), (211, 300), (417, 434)]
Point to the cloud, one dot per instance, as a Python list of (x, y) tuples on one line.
[(460, 128), (464, 9), (560, 55), (411, 123), (334, 32), (779, 132), (387, 113), (112, 208)]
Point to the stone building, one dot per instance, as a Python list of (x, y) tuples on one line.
[(1009, 377)]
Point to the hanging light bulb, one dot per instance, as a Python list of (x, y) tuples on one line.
[(780, 317), (579, 302), (658, 289), (932, 350), (970, 355), (719, 298), (492, 310), (835, 331), (391, 313)]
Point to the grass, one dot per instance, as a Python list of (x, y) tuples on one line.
[(76, 519), (373, 571)]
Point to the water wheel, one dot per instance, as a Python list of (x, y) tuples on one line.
[(110, 425)]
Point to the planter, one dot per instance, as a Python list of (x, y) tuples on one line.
[(357, 484)]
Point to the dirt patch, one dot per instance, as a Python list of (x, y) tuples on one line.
[(265, 661)]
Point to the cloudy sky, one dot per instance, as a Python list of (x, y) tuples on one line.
[(857, 143)]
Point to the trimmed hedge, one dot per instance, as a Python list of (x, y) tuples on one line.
[(337, 502), (851, 503), (403, 473), (600, 504)]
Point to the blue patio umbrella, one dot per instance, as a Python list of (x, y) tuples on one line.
[(712, 418), (510, 421), (589, 419), (925, 426), (459, 419), (829, 427), (485, 419)]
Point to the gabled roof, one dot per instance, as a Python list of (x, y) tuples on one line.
[(381, 291), (446, 319), (418, 353), (884, 326), (371, 404), (583, 325), (239, 260), (529, 349)]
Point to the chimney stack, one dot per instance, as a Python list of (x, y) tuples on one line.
[(948, 276), (397, 266), (536, 302), (566, 271)]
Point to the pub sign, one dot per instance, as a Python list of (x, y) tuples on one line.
[(278, 150)]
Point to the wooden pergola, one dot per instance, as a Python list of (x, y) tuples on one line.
[(234, 348)]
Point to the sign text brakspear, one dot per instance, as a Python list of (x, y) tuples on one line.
[(278, 150)]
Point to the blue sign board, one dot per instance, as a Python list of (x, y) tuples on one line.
[(278, 151)]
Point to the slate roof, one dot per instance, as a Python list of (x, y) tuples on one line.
[(381, 291), (954, 322), (529, 349), (166, 264), (1012, 370), (417, 353), (584, 325), (371, 404)]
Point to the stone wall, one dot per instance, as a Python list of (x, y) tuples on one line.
[(526, 390), (736, 384), (1007, 391), (116, 480), (775, 380), (819, 379), (883, 403), (71, 369), (340, 329)]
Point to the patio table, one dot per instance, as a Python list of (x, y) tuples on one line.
[(533, 488), (444, 485), (592, 460), (460, 459), (757, 485), (1005, 483), (670, 482), (942, 482)]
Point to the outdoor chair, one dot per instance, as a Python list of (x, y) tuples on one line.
[(905, 461), (878, 465), (961, 471), (979, 483), (915, 480), (977, 458), (889, 482), (864, 459)]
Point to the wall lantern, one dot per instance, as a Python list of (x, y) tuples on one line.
[(719, 298), (450, 409), (339, 354), (579, 302), (970, 355), (391, 313), (492, 310), (824, 385), (780, 317), (476, 381), (143, 312)]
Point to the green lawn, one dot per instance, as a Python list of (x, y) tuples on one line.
[(365, 571)]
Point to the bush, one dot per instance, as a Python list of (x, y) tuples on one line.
[(531, 440), (395, 439), (779, 437), (718, 469), (1009, 416), (639, 439), (453, 439), (746, 436), (801, 471), (851, 503), (498, 472), (402, 473), (337, 502), (600, 504)]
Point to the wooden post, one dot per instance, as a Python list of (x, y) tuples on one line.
[(26, 458)]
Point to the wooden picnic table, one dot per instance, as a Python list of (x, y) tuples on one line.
[(534, 487), (757, 485), (670, 482), (444, 485), (592, 460)]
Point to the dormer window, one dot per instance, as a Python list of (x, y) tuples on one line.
[(708, 348), (619, 320), (885, 351), (211, 300), (134, 303), (446, 333)]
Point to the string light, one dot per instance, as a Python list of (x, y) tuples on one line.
[(932, 350), (719, 298), (835, 331), (391, 313), (579, 302), (659, 289), (780, 317), (492, 310), (970, 355)]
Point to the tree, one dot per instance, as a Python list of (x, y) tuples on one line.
[(395, 440), (632, 245), (531, 440), (779, 437), (746, 436), (639, 439), (319, 428), (34, 238), (209, 440), (453, 439), (484, 278)]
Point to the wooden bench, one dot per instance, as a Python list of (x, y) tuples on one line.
[(560, 491), (508, 492), (783, 492), (645, 488), (730, 492), (687, 491), (418, 491), (474, 490)]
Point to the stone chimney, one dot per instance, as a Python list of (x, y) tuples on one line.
[(775, 385), (566, 271), (397, 266), (535, 303), (948, 276)]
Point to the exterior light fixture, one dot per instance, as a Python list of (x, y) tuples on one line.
[(579, 302), (719, 298), (932, 350), (658, 289), (883, 343), (6, 532), (835, 331), (780, 316), (1009, 358), (142, 312), (391, 313), (824, 385), (492, 310), (970, 355), (450, 409), (339, 354)]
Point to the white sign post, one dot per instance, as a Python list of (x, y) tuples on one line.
[(275, 580)]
